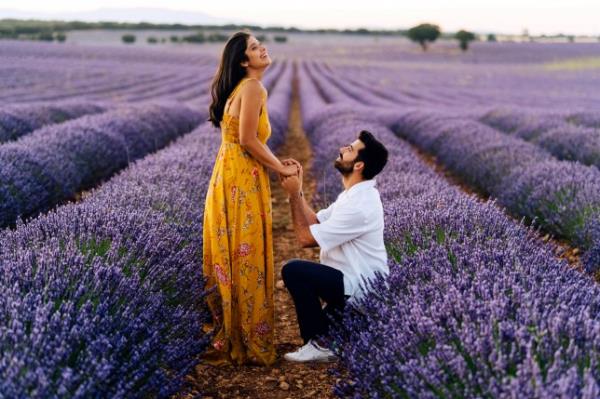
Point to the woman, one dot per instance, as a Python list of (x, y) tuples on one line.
[(237, 235)]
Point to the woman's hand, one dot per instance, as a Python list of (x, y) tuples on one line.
[(291, 161), (288, 170)]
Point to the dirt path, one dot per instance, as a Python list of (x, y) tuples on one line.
[(283, 379)]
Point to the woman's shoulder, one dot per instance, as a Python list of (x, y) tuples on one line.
[(253, 86)]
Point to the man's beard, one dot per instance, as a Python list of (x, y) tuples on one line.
[(344, 167)]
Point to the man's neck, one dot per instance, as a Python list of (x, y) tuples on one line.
[(351, 180)]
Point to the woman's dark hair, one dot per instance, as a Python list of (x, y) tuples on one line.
[(374, 155), (228, 75)]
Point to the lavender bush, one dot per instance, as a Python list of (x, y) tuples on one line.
[(279, 103), (17, 121), (475, 306), (561, 196), (104, 298), (591, 258), (52, 164), (552, 132), (475, 317), (588, 119), (38, 72)]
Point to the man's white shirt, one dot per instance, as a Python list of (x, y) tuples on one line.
[(350, 234)]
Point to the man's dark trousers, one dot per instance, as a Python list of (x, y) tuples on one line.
[(308, 283)]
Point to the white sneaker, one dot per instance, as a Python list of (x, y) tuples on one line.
[(311, 352)]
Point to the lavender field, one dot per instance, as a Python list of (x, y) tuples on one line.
[(104, 160)]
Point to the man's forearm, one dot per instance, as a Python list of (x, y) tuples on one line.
[(301, 217), (310, 215)]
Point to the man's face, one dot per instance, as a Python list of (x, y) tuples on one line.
[(347, 157)]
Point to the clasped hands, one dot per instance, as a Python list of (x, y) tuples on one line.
[(291, 180)]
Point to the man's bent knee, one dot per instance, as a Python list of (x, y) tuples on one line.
[(291, 269)]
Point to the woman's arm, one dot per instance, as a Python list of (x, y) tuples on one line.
[(250, 104)]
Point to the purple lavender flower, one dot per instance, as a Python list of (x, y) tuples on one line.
[(17, 121), (54, 163), (105, 297), (475, 305)]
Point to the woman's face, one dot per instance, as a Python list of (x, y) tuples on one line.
[(258, 58)]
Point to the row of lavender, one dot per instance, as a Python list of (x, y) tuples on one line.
[(33, 72), (568, 84), (279, 82), (556, 110), (475, 305), (114, 86), (62, 108), (53, 163), (18, 120), (561, 196), (566, 133), (394, 51), (104, 298), (570, 136), (527, 178)]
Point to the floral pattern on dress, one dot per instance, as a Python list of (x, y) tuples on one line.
[(238, 249), (221, 275), (262, 328), (244, 249)]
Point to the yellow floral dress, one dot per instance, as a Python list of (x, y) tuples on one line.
[(238, 250)]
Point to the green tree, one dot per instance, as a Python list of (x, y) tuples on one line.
[(464, 37), (195, 38), (8, 32), (60, 36), (152, 40), (128, 38), (280, 39), (217, 37), (46, 36), (423, 34), (491, 37)]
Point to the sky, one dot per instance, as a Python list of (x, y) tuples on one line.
[(499, 16)]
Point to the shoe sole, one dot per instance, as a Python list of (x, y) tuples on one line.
[(325, 360)]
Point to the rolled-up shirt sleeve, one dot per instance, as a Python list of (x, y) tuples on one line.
[(343, 225), (324, 214)]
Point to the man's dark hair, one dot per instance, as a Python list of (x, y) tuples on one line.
[(374, 155)]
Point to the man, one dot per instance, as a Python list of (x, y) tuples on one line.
[(350, 235)]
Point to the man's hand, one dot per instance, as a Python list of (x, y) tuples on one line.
[(302, 215), (291, 184)]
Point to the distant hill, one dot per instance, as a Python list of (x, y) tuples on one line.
[(146, 14)]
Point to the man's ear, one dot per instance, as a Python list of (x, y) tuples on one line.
[(360, 165)]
